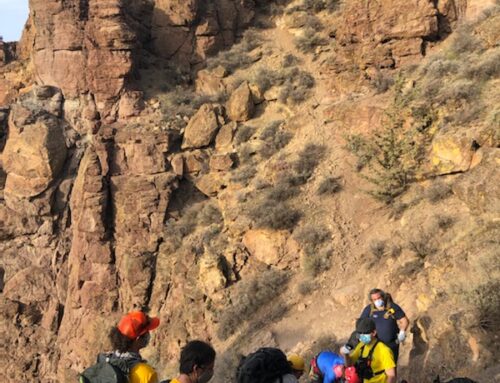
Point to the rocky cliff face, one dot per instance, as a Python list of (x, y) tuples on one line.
[(112, 199)]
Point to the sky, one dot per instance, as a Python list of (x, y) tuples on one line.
[(13, 15)]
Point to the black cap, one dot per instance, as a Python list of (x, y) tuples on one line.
[(365, 325)]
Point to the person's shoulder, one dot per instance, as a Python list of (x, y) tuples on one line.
[(144, 372), (366, 312), (398, 310), (382, 348)]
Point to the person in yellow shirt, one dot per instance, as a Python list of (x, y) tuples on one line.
[(196, 363), (374, 361)]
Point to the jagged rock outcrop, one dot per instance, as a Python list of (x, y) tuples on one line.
[(203, 127), (91, 46), (35, 151), (189, 31), (95, 191), (387, 34)]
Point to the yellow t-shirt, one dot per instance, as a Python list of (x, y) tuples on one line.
[(142, 373), (175, 380), (382, 359)]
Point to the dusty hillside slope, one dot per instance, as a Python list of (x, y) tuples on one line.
[(247, 171)]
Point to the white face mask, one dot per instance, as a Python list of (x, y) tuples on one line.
[(379, 303)]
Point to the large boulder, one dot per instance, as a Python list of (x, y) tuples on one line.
[(451, 152), (478, 188), (240, 106), (274, 248), (202, 127)]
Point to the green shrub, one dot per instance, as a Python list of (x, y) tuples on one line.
[(312, 236), (359, 146), (314, 263), (422, 243), (209, 215), (309, 159), (382, 82), (378, 248), (274, 215), (249, 298), (459, 90), (488, 67), (438, 191), (308, 41), (486, 299), (274, 139), (243, 134), (316, 256), (329, 185), (321, 5), (306, 287), (444, 222), (289, 60), (463, 42), (244, 174)]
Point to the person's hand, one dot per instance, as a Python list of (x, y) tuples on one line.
[(345, 349), (401, 336)]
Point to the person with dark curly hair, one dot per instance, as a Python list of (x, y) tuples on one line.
[(196, 364), (127, 338)]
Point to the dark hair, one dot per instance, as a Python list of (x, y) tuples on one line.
[(119, 341), (196, 353), (365, 325), (377, 291)]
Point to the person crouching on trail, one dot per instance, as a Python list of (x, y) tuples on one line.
[(196, 363), (298, 365), (373, 360), (326, 367), (390, 320), (131, 335)]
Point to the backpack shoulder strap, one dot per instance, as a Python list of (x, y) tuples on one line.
[(370, 355)]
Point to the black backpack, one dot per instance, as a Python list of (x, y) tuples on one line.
[(263, 366), (363, 364), (106, 370)]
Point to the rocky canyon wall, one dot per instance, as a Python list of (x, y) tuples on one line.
[(88, 173)]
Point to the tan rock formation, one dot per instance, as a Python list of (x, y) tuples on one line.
[(188, 31), (202, 127), (271, 247), (451, 152), (478, 187), (35, 151), (240, 106)]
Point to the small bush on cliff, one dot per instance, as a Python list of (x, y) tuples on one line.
[(274, 215), (308, 41), (316, 256), (249, 298), (274, 139), (486, 299), (330, 185), (295, 84), (243, 134), (321, 5)]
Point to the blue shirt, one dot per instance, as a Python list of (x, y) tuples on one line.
[(326, 361), (386, 325)]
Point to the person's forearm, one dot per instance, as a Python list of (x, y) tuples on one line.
[(403, 323), (391, 379)]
